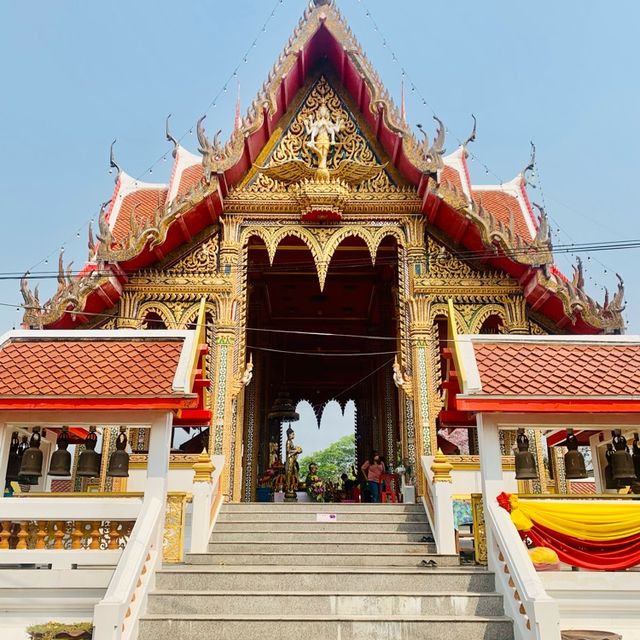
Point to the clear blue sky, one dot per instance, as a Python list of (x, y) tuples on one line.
[(76, 75)]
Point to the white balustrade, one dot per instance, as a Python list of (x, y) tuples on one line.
[(438, 504), (206, 503), (535, 614)]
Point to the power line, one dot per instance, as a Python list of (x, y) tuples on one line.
[(212, 104)]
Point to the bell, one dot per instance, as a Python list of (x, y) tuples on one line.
[(13, 465), (525, 462), (573, 461), (609, 482), (31, 464), (61, 459), (621, 462), (89, 460), (119, 460), (636, 455)]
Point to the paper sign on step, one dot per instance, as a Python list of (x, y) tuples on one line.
[(326, 517)]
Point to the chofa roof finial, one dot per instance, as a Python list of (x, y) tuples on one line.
[(472, 135), (531, 165), (169, 137), (112, 160)]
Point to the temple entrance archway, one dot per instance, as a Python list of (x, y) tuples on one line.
[(321, 342)]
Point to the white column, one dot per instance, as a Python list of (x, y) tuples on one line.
[(5, 441), (158, 458), (598, 471), (490, 472)]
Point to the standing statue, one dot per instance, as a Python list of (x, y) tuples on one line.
[(273, 453), (322, 136), (291, 466)]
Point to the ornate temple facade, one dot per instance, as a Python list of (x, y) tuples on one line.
[(327, 241)]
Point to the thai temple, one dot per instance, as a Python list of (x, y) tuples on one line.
[(324, 252)]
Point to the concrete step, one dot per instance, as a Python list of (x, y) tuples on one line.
[(316, 547), (312, 535), (297, 579), (320, 507), (306, 559), (326, 603), (353, 515), (282, 627), (377, 526)]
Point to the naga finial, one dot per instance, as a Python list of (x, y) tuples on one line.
[(543, 235), (169, 137), (112, 160), (577, 281), (207, 148), (472, 136), (531, 165), (433, 154)]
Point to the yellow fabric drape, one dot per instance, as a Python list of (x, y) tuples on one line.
[(585, 520)]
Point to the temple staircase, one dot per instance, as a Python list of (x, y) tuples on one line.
[(292, 571)]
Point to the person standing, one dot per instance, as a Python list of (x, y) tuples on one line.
[(373, 470)]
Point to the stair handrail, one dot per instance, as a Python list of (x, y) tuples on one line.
[(116, 616), (438, 504), (535, 614), (207, 499)]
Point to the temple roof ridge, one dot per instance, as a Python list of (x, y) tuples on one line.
[(146, 221)]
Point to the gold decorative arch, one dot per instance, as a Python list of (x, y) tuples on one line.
[(191, 313), (441, 309), (484, 313), (163, 310), (322, 241)]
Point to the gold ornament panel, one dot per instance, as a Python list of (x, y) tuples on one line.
[(350, 145)]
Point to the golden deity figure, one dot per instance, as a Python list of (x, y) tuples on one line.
[(291, 466), (322, 136)]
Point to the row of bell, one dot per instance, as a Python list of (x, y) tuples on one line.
[(622, 468), (25, 464)]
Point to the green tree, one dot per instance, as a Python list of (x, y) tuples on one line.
[(336, 459)]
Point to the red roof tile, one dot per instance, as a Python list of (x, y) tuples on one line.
[(548, 369), (145, 202), (450, 175), (500, 204), (89, 367), (189, 178)]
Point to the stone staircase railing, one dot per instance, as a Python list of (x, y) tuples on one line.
[(437, 500), (534, 613)]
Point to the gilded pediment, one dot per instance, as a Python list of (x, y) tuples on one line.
[(323, 160)]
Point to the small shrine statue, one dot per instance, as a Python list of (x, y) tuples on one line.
[(315, 486), (273, 454), (292, 467)]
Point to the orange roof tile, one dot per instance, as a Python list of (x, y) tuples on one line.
[(189, 178), (500, 204), (558, 369), (145, 202), (90, 367), (450, 175)]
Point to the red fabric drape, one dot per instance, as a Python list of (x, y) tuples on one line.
[(600, 555)]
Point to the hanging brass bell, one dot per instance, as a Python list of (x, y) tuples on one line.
[(31, 464), (525, 462), (13, 464), (621, 462), (636, 455), (574, 466), (609, 482), (89, 460), (61, 458), (119, 460)]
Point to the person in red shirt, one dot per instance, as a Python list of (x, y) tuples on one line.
[(373, 470)]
